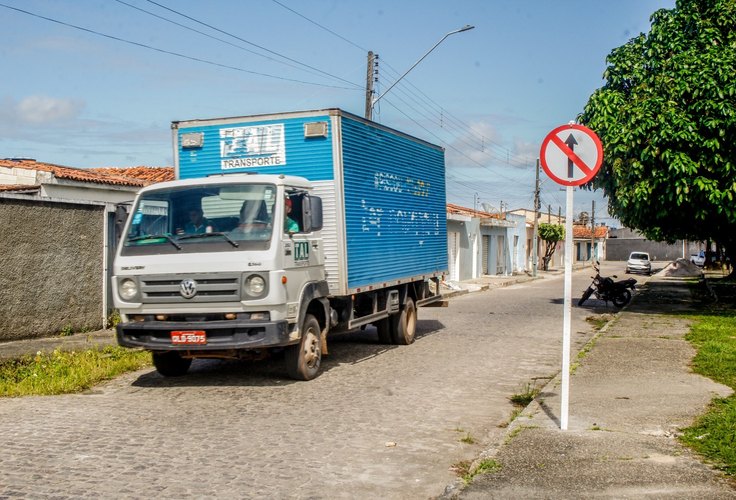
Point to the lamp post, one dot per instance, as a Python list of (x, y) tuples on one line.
[(369, 112)]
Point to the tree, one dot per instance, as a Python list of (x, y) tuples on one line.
[(551, 234), (667, 119)]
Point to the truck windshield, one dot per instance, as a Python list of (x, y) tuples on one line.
[(202, 218)]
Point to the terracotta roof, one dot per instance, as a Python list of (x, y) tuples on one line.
[(70, 173), (457, 209), (149, 175), (19, 188), (583, 232)]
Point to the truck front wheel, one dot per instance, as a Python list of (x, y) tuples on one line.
[(405, 324), (171, 364), (303, 359)]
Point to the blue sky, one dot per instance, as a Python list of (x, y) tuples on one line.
[(488, 95)]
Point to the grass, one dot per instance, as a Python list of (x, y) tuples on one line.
[(599, 321), (63, 372), (712, 435), (512, 417), (468, 439), (485, 466), (528, 392)]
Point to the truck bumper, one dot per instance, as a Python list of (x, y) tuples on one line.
[(220, 335)]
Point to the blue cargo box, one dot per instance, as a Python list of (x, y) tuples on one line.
[(383, 191)]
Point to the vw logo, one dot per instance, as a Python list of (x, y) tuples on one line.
[(188, 288)]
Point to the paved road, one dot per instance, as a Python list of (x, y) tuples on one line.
[(379, 421)]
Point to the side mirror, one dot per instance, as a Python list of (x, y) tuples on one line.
[(312, 213)]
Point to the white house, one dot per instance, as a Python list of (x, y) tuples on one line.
[(481, 243)]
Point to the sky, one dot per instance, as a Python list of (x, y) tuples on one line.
[(94, 83)]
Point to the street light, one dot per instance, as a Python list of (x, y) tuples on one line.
[(373, 103)]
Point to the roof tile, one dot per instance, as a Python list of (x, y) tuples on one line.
[(70, 173)]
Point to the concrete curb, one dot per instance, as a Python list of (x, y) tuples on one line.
[(516, 425)]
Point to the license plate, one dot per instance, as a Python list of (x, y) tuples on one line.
[(189, 337)]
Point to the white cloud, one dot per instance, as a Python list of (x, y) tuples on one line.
[(44, 110)]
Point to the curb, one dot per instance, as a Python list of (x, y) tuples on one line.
[(533, 408)]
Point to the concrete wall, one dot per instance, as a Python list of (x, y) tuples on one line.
[(51, 267), (622, 242)]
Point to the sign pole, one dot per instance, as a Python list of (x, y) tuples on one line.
[(571, 155), (567, 316)]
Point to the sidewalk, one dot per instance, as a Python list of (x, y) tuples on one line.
[(497, 281), (632, 393), (76, 342)]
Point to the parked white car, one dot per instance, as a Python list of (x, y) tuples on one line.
[(698, 258), (639, 263)]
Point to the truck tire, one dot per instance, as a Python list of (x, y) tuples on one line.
[(404, 324), (303, 359), (171, 364), (383, 328)]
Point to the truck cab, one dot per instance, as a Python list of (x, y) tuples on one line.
[(216, 267)]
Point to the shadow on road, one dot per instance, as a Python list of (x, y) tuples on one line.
[(345, 348)]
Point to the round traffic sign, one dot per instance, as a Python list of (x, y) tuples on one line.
[(571, 155)]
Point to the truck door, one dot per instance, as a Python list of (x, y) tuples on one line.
[(303, 252)]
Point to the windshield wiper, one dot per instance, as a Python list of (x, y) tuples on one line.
[(205, 235), (157, 236)]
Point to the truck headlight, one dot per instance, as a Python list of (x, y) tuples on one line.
[(128, 289), (254, 286)]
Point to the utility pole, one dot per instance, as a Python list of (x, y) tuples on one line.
[(592, 232), (369, 86), (549, 214), (535, 238)]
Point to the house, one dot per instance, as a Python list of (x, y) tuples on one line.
[(481, 243), (57, 240), (558, 257), (585, 246)]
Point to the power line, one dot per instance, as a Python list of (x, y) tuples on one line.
[(447, 144), (171, 21), (415, 97), (453, 118), (168, 52), (253, 44), (319, 25)]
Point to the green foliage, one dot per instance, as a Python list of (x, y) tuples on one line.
[(667, 119), (113, 319), (63, 372), (551, 234), (713, 433)]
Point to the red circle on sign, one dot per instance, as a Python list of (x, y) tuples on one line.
[(571, 160)]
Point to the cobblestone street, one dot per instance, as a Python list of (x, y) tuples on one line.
[(380, 421)]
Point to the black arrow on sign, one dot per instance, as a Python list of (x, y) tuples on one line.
[(571, 143)]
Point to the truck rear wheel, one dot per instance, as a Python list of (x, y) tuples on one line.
[(171, 364), (303, 359), (404, 324)]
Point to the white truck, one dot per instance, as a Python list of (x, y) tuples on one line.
[(279, 230)]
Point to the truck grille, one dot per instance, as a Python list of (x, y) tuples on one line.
[(166, 289)]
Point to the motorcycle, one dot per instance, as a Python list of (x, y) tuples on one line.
[(605, 288)]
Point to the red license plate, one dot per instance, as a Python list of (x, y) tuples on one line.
[(189, 337)]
